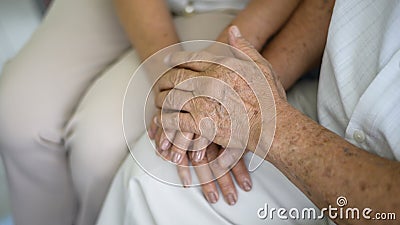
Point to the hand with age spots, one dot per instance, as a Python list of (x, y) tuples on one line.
[(200, 159), (319, 162), (238, 95), (212, 109)]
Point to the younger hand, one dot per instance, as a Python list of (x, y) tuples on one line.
[(205, 170)]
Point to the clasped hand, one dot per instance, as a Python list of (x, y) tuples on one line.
[(235, 101)]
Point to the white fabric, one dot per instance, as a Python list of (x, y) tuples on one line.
[(137, 198), (359, 89)]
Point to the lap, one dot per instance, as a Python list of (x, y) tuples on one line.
[(136, 196), (42, 85)]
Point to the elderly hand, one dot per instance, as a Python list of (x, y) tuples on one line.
[(204, 163), (238, 104)]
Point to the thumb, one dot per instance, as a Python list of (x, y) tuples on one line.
[(238, 41)]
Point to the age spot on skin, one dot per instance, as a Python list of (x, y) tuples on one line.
[(363, 186), (347, 152)]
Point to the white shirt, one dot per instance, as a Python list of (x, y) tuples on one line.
[(359, 88)]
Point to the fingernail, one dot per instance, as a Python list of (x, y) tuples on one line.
[(193, 156), (165, 145), (198, 156), (246, 186), (176, 158), (235, 31), (212, 198), (231, 199)]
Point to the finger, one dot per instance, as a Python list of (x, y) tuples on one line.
[(180, 146), (228, 188), (163, 142), (157, 138), (198, 155), (186, 123), (173, 77), (226, 185), (238, 41), (175, 100), (196, 61), (242, 175), (228, 158), (206, 178), (178, 121), (152, 131), (184, 171), (199, 148), (212, 152)]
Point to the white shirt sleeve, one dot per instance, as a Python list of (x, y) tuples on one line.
[(359, 89)]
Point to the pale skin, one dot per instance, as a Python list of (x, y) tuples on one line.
[(320, 163), (150, 28)]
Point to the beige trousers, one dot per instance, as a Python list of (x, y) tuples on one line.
[(60, 110), (60, 134)]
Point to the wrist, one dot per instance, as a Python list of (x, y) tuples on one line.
[(263, 143), (285, 116)]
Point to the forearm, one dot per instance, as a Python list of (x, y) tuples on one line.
[(325, 166), (261, 19), (148, 25), (299, 45)]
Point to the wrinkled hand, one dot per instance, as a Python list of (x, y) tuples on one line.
[(202, 161), (194, 91)]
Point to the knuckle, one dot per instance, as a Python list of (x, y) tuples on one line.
[(208, 187), (179, 76), (242, 175), (182, 172), (226, 186), (215, 166)]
